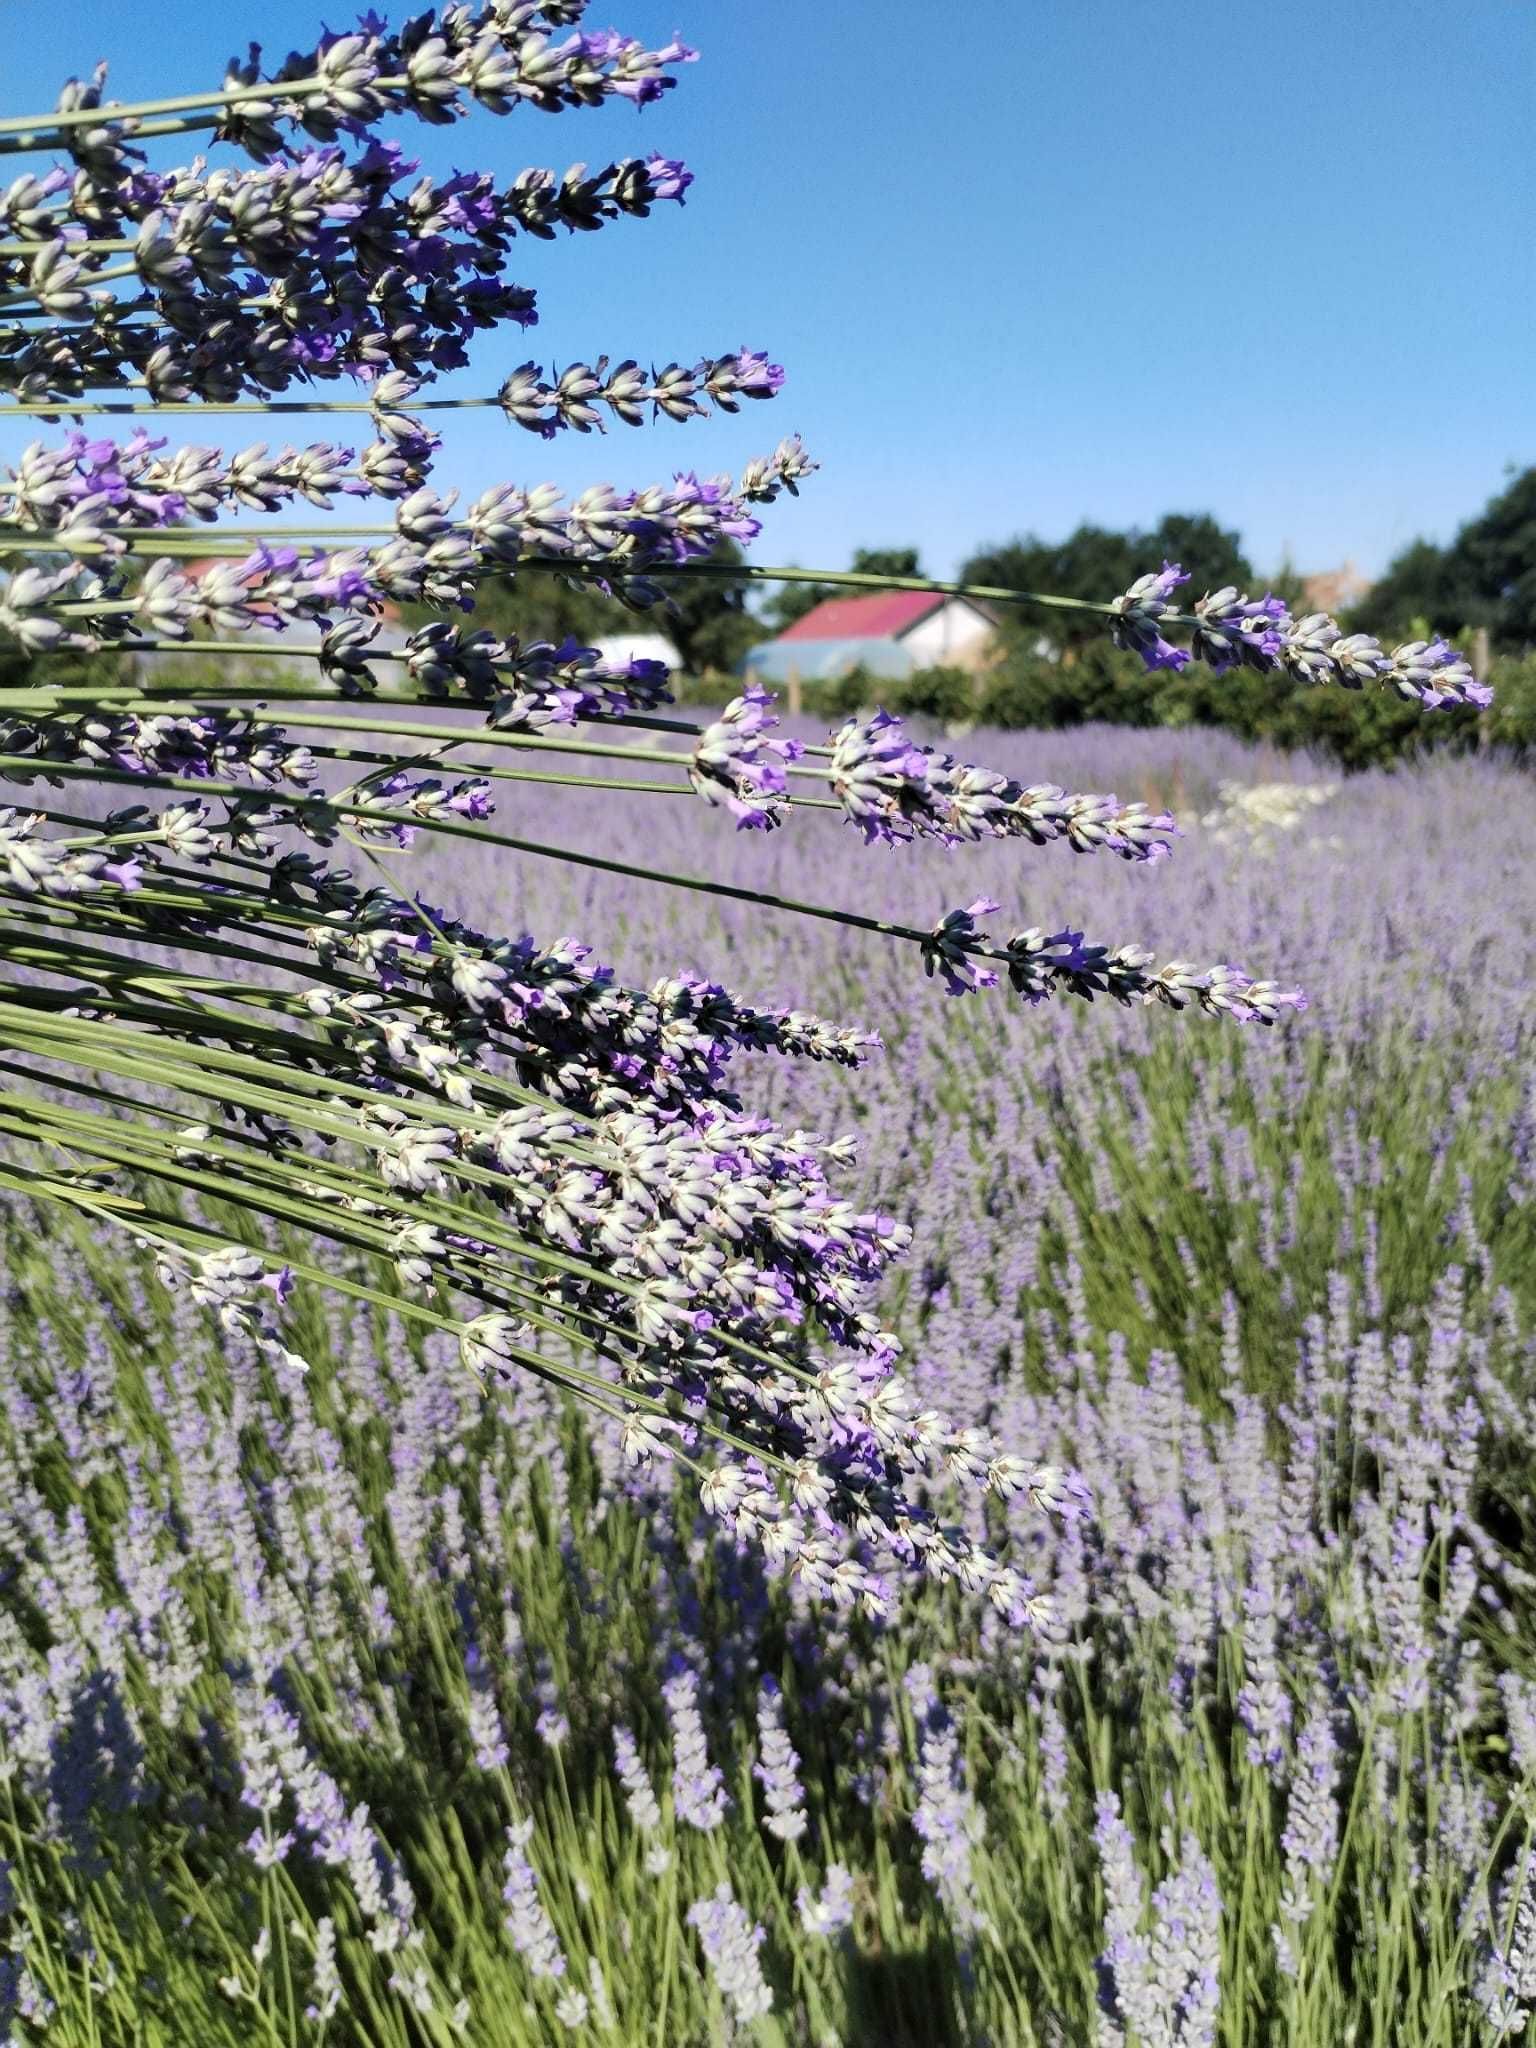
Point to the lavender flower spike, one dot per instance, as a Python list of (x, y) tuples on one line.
[(947, 1820), (777, 1766), (640, 1798), (1433, 673), (698, 1787), (1310, 1837), (1506, 1981), (881, 778), (1136, 614), (1229, 630), (1235, 631), (1162, 1987), (730, 1943), (527, 1921), (832, 1912), (737, 764)]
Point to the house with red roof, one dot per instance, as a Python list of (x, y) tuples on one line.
[(883, 632)]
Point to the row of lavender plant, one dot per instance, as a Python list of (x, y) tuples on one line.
[(554, 1165), (286, 1701), (357, 1706)]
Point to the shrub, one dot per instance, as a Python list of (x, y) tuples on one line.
[(942, 694)]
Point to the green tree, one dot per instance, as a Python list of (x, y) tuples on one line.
[(1494, 564), (707, 620), (1212, 554), (1486, 577), (887, 562), (1092, 562), (532, 608), (1417, 585), (1096, 562)]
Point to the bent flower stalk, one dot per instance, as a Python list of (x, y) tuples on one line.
[(517, 1148)]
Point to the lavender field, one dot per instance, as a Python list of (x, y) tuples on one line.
[(362, 1707)]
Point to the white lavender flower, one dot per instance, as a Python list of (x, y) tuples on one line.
[(698, 1787), (730, 1943), (638, 1793), (831, 1912), (777, 1767), (1505, 1974), (527, 1920)]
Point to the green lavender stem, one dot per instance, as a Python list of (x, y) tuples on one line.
[(55, 408), (37, 540), (454, 828), (22, 126)]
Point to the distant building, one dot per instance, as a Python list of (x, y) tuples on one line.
[(618, 649), (1335, 590), (886, 633)]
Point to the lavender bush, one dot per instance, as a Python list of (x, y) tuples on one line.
[(498, 1118), (515, 1177), (288, 1655)]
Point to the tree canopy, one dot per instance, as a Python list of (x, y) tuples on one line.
[(705, 618), (1096, 562), (1486, 577)]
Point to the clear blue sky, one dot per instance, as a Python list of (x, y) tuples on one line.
[(1068, 259)]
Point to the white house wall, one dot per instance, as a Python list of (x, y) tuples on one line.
[(954, 630)]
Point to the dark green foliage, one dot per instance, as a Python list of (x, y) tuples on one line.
[(1512, 720), (705, 617), (1096, 562), (1359, 729), (1486, 577), (541, 607), (1417, 585), (834, 697), (1092, 682), (886, 562), (707, 620), (69, 670), (942, 694)]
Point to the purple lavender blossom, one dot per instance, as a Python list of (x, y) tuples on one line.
[(776, 1768), (1163, 1986), (881, 778), (947, 1820), (1136, 615), (638, 1794), (730, 1943), (698, 1786), (527, 1920), (1506, 1975), (830, 1913), (735, 763), (1234, 631), (1310, 1837)]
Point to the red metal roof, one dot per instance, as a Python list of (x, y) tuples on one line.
[(882, 615)]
